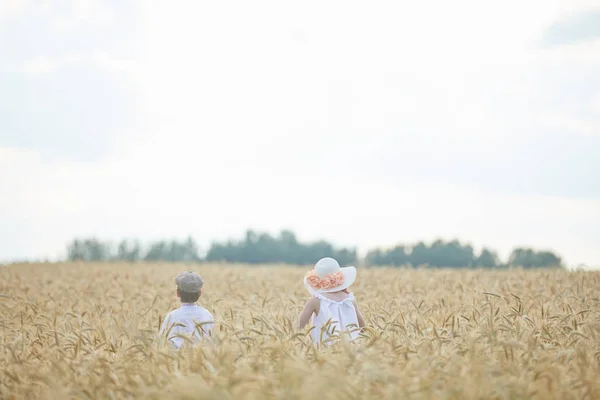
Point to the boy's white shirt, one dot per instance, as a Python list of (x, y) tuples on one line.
[(187, 315)]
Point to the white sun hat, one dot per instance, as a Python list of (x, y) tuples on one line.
[(328, 276)]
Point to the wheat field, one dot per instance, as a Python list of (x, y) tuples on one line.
[(75, 331)]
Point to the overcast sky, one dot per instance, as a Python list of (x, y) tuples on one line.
[(363, 123)]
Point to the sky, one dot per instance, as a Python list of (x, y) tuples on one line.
[(363, 123)]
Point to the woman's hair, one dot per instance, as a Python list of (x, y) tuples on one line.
[(189, 297)]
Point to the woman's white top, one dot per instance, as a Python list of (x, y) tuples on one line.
[(343, 319)]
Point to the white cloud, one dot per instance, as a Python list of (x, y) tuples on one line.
[(596, 104), (585, 54), (270, 115), (84, 9), (151, 195), (107, 61), (574, 7), (19, 168), (96, 12), (104, 60), (11, 7), (40, 65), (387, 75), (571, 124)]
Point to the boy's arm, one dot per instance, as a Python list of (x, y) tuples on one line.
[(361, 319), (307, 312)]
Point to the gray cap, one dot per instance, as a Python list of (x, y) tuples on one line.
[(189, 282)]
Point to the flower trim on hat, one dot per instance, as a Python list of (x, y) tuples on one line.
[(328, 282)]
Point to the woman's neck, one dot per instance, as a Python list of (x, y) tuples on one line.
[(337, 295)]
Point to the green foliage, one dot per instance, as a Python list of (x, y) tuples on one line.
[(131, 251), (88, 250), (453, 254), (285, 248), (488, 258), (396, 257), (186, 251), (528, 258), (262, 248), (439, 254)]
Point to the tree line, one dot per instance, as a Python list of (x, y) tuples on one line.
[(453, 254), (263, 248)]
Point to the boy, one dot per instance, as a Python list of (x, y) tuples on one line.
[(189, 319)]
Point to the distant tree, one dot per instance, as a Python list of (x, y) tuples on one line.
[(129, 251), (76, 251), (218, 252), (522, 257), (88, 250), (439, 254), (173, 251), (374, 257), (529, 258), (456, 255), (191, 250), (98, 251), (284, 248), (487, 258), (345, 256), (549, 259), (290, 248), (257, 248), (395, 256), (157, 251), (419, 255)]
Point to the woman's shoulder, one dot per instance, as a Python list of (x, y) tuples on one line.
[(320, 297)]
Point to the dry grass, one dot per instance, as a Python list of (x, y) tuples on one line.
[(71, 331)]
